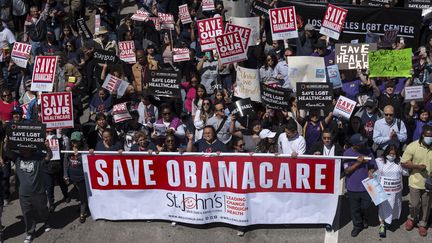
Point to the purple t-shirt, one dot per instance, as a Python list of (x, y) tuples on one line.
[(354, 180), (398, 88), (351, 89)]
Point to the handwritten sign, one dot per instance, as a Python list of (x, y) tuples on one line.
[(247, 84), (353, 56), (390, 63)]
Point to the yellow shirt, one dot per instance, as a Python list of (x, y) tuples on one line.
[(419, 155)]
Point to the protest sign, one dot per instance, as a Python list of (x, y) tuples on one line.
[(424, 5), (166, 21), (208, 5), (181, 54), (375, 190), (244, 33), (121, 113), (103, 56), (44, 73), (239, 190), (82, 26), (414, 93), (260, 8), (314, 95), (333, 21), (344, 107), (247, 84), (244, 111), (377, 3), (140, 15), (156, 22), (275, 98), (54, 146), (306, 69), (184, 14), (127, 51), (353, 56), (208, 29), (390, 63), (362, 19), (165, 83), (230, 48), (24, 108), (283, 23), (334, 76), (20, 54), (57, 110), (112, 83), (26, 135), (251, 23)]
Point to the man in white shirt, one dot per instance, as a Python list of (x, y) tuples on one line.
[(281, 70), (290, 142), (7, 39), (389, 129)]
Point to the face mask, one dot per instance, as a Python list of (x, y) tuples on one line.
[(427, 140), (390, 158)]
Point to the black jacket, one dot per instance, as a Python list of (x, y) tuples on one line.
[(319, 146), (37, 32)]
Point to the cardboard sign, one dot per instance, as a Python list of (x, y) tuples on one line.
[(165, 83), (208, 5), (247, 84), (20, 54), (121, 113), (230, 48), (390, 63), (57, 110), (140, 15), (208, 29), (252, 23), (244, 32), (103, 56), (82, 26), (112, 83), (26, 135), (181, 54), (353, 56), (54, 146), (184, 14), (275, 98), (127, 51), (414, 93), (44, 73), (344, 107), (333, 21), (314, 95), (244, 111), (283, 23), (334, 76), (166, 21), (260, 8), (306, 69)]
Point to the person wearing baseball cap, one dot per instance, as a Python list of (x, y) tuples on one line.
[(357, 170), (267, 143)]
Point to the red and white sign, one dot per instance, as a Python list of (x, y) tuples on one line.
[(127, 51), (140, 15), (156, 22), (20, 54), (208, 29), (181, 54), (57, 110), (121, 113), (244, 32), (166, 21), (238, 190), (344, 107), (112, 83), (283, 23), (24, 108), (208, 5), (230, 48), (333, 21), (54, 146), (184, 14), (43, 73)]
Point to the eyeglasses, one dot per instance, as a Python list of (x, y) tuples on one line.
[(388, 114)]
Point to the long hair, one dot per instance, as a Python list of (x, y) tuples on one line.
[(197, 98), (389, 148)]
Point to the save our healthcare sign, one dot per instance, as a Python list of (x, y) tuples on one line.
[(283, 23), (196, 189), (44, 73), (20, 54), (333, 21), (230, 48), (208, 29), (57, 110), (244, 33), (127, 51)]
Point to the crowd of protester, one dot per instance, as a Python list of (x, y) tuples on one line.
[(397, 135)]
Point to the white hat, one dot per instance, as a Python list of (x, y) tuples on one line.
[(265, 133)]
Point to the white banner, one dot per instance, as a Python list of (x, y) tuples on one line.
[(306, 69), (247, 84), (238, 190)]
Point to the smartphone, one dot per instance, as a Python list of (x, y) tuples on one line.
[(208, 54)]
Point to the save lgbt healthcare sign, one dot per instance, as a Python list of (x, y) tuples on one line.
[(197, 189)]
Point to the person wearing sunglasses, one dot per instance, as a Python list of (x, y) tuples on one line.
[(389, 130), (7, 105), (201, 117)]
